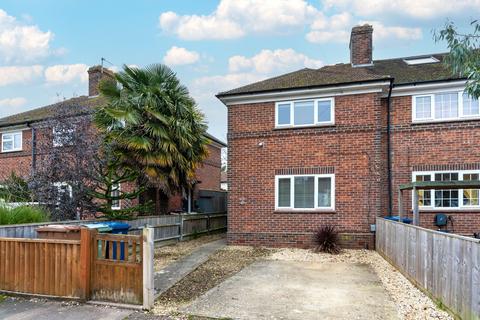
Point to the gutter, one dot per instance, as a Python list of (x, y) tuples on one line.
[(389, 147)]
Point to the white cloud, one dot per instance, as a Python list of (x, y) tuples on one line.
[(331, 29), (180, 56), (18, 74), (20, 42), (384, 32), (235, 18), (13, 102), (66, 73), (420, 9), (273, 61), (337, 29)]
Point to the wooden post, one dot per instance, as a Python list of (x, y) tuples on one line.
[(416, 217), (182, 221), (148, 274), (85, 261)]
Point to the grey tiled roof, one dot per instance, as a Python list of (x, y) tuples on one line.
[(344, 73)]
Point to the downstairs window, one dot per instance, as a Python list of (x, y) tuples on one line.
[(305, 192)]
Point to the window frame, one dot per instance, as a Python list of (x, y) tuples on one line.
[(119, 186), (12, 133), (433, 118), (315, 121), (292, 192), (460, 206)]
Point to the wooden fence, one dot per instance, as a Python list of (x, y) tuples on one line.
[(445, 266), (166, 227), (117, 268)]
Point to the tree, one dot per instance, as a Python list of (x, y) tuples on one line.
[(64, 166), (108, 178), (464, 55), (154, 126)]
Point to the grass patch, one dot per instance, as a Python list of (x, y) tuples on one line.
[(22, 214), (3, 298)]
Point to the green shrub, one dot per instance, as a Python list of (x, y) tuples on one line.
[(22, 214)]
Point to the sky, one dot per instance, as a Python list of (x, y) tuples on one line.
[(47, 46)]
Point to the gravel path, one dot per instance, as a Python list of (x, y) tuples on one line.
[(411, 303)]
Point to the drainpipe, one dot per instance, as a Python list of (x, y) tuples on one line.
[(389, 157), (34, 148)]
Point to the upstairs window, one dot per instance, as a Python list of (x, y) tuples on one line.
[(12, 141), (304, 113), (305, 192), (444, 106)]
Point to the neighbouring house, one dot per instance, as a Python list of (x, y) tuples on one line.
[(224, 180), (22, 133), (332, 145)]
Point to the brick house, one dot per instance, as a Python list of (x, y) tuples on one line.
[(332, 145), (19, 151)]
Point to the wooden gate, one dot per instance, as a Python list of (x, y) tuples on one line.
[(117, 268)]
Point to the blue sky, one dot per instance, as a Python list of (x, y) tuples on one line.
[(46, 46)]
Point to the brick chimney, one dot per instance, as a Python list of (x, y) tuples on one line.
[(361, 45), (95, 74)]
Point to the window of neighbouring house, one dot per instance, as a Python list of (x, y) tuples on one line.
[(63, 137), (448, 199), (12, 141), (444, 106), (304, 113), (305, 192), (116, 194)]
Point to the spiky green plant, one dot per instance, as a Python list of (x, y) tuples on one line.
[(22, 214), (154, 126)]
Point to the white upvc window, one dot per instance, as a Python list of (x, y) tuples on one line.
[(453, 199), (64, 189), (303, 113), (12, 141), (444, 106), (63, 136), (305, 192), (116, 204)]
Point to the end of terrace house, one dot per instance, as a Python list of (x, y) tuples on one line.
[(332, 146)]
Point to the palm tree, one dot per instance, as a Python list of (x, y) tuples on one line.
[(154, 126)]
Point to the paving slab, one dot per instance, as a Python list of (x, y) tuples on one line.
[(177, 270), (33, 309), (298, 290)]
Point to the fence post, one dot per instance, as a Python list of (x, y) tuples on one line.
[(148, 275), (208, 223), (182, 221), (85, 262)]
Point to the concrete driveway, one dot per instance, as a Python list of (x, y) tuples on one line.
[(298, 290)]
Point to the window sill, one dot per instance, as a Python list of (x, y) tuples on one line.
[(306, 127), (12, 151), (316, 211), (448, 210), (434, 121)]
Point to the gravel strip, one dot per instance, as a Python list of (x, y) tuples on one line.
[(411, 303), (168, 254)]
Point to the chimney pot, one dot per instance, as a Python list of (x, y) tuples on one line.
[(95, 75), (361, 45)]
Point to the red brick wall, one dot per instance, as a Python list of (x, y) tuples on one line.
[(430, 147), (352, 148), (19, 162)]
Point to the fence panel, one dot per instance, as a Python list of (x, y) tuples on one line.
[(45, 267), (117, 272), (446, 266)]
